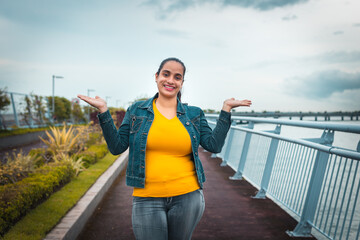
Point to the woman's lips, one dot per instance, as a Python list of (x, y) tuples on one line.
[(169, 88)]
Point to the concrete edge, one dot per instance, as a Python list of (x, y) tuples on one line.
[(74, 221), (17, 141)]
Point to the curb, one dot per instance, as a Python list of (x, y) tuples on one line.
[(15, 141), (71, 225)]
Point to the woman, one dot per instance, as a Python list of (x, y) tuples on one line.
[(163, 136)]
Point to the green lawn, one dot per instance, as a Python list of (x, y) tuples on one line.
[(39, 221)]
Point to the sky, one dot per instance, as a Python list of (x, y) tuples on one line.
[(294, 55)]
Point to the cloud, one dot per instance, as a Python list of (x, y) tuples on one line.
[(167, 7), (327, 57), (339, 57), (323, 84), (338, 32), (356, 25), (262, 5), (173, 33), (289, 17)]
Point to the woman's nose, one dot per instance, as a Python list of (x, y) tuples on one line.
[(171, 79)]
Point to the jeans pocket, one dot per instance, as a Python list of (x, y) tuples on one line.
[(201, 194)]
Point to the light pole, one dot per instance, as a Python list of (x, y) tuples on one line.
[(117, 101), (88, 94), (107, 97), (53, 94)]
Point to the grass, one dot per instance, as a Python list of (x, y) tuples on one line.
[(19, 131), (39, 221)]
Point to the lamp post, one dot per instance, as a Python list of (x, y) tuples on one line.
[(88, 94), (53, 94), (117, 101), (107, 97)]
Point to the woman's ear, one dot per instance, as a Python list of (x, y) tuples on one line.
[(156, 77)]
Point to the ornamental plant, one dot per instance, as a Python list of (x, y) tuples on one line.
[(76, 164), (61, 141), (17, 167)]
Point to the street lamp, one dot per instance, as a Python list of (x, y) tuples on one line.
[(53, 93), (107, 97), (88, 94)]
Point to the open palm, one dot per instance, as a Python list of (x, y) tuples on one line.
[(233, 103), (96, 102)]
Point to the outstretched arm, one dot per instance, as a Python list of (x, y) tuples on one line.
[(116, 139), (233, 103), (213, 140)]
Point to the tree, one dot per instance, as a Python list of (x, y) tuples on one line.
[(39, 108), (4, 102), (62, 108), (77, 113), (27, 111), (139, 98)]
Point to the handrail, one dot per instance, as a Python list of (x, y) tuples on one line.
[(341, 152), (311, 178), (308, 124)]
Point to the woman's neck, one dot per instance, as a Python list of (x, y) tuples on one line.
[(166, 102)]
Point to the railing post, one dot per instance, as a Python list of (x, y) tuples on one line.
[(240, 170), (303, 228), (31, 121), (228, 147), (269, 165), (14, 110)]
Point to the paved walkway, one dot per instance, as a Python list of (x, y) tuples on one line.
[(230, 212)]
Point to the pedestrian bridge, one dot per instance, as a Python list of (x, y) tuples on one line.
[(265, 184)]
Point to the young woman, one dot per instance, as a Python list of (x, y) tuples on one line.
[(163, 136)]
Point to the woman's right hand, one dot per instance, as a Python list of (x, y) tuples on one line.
[(96, 102)]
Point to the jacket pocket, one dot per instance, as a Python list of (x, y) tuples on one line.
[(196, 123), (135, 123)]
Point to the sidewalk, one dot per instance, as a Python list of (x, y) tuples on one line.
[(230, 212)]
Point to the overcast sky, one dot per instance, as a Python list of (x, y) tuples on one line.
[(295, 55)]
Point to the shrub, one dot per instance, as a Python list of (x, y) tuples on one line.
[(16, 168), (94, 138), (41, 155), (93, 154), (16, 199), (88, 158), (99, 150), (76, 164), (61, 141)]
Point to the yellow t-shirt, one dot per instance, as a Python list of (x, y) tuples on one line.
[(169, 170)]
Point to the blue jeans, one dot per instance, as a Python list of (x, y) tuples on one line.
[(167, 218)]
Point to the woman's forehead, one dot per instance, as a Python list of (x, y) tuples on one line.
[(173, 66)]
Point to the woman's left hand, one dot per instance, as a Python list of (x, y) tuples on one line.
[(233, 103)]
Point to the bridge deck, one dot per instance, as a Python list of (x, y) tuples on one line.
[(230, 212)]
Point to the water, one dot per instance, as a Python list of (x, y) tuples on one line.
[(341, 139)]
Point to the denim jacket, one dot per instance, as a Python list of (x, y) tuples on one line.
[(135, 127)]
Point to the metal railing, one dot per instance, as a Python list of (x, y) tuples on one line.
[(317, 182)]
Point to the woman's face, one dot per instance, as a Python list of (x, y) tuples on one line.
[(170, 79)]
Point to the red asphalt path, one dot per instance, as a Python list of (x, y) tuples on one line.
[(230, 212)]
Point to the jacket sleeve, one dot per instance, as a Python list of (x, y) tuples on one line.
[(117, 140), (213, 140)]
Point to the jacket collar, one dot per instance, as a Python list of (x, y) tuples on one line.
[(147, 104)]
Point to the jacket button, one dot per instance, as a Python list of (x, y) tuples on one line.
[(194, 136), (196, 153), (142, 167), (187, 123)]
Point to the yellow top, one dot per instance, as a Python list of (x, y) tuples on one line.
[(169, 170)]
